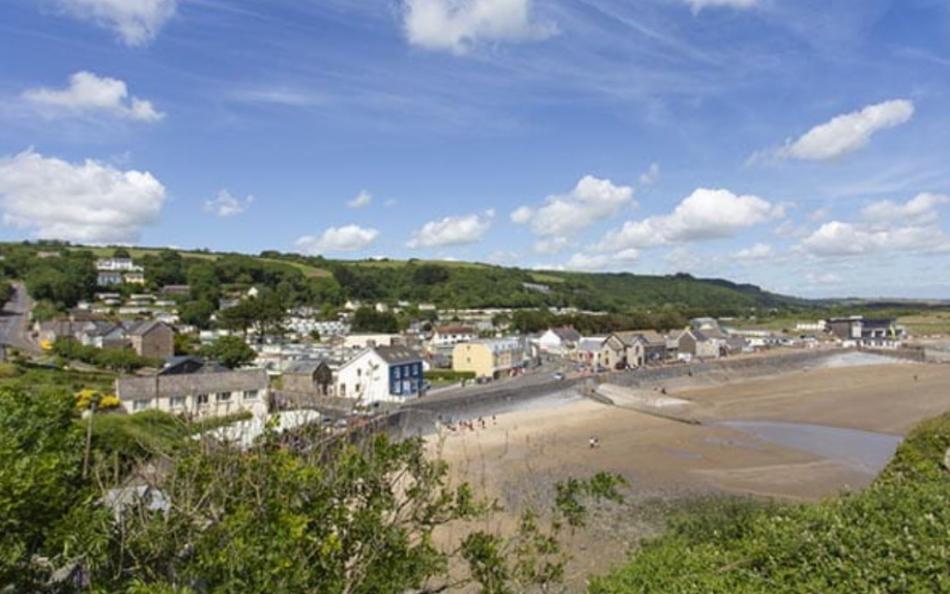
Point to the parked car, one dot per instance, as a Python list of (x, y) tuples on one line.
[(559, 376)]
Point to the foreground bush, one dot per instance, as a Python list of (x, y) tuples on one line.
[(892, 538), (291, 514)]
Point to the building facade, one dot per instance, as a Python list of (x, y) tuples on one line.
[(201, 392), (381, 374), (488, 358)]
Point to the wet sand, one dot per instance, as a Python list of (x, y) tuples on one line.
[(517, 457)]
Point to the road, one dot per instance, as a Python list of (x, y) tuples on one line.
[(15, 321)]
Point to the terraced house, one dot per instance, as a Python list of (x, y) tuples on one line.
[(191, 386)]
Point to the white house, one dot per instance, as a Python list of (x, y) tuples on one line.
[(559, 340), (381, 374), (444, 336)]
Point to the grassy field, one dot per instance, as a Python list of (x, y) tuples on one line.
[(937, 322), (35, 377), (105, 252)]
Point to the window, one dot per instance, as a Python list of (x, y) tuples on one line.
[(176, 402), (250, 394), (202, 398), (396, 372), (140, 405), (222, 396)]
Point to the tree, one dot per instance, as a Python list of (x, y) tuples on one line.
[(121, 252), (42, 493), (230, 351), (197, 313), (367, 319)]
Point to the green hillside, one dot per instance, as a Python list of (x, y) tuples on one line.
[(316, 281)]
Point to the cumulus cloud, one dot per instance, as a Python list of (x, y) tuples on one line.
[(349, 238), (551, 245), (456, 25), (759, 251), (136, 22), (920, 210), (618, 260), (651, 175), (698, 5), (592, 200), (84, 202), (226, 205), (361, 200), (458, 230), (839, 239), (849, 132), (704, 214), (89, 93)]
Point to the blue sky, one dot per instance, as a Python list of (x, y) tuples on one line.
[(798, 144)]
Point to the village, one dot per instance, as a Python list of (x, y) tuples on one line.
[(322, 364)]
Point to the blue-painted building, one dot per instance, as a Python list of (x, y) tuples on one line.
[(382, 374)]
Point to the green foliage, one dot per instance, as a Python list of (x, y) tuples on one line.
[(447, 375), (40, 483), (230, 351), (124, 359), (890, 538), (63, 280), (44, 311), (367, 319), (197, 313)]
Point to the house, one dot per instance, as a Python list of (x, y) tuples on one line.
[(559, 340), (176, 290), (865, 331), (588, 350), (634, 349), (362, 341), (452, 335), (190, 386), (381, 374), (698, 344), (116, 271), (310, 377), (152, 339), (492, 358)]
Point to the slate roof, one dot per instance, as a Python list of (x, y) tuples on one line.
[(567, 333), (202, 382), (396, 355)]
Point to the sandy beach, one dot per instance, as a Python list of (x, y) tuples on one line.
[(518, 456)]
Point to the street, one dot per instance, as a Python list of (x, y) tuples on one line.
[(15, 319)]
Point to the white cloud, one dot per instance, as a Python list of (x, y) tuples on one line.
[(591, 200), (522, 215), (361, 200), (584, 261), (704, 214), (226, 205), (456, 25), (920, 210), (651, 175), (552, 245), (349, 238), (452, 231), (698, 5), (760, 251), (849, 132), (822, 278), (87, 93), (136, 22), (87, 202), (838, 239), (681, 259)]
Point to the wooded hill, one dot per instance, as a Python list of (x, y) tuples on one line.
[(318, 281)]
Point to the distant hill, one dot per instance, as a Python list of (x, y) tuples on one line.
[(447, 284)]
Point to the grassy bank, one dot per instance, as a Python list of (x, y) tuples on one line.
[(894, 537)]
